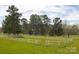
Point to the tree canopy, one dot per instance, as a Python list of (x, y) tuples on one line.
[(11, 24)]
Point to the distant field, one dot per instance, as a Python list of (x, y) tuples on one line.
[(30, 44)]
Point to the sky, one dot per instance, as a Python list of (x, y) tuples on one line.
[(70, 13), (52, 8)]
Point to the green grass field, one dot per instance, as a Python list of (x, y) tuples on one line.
[(31, 44)]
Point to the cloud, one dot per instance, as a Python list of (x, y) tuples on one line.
[(29, 2), (3, 9), (65, 12), (73, 15)]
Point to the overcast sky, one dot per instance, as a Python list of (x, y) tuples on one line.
[(65, 12)]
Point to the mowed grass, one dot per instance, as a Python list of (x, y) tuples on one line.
[(30, 44)]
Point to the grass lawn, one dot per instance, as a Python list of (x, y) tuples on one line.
[(31, 44)]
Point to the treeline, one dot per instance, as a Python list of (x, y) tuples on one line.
[(37, 24), (71, 29)]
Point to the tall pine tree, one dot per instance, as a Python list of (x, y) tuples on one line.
[(11, 24)]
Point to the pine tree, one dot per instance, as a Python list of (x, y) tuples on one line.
[(25, 27), (11, 24)]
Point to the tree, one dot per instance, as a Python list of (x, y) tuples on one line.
[(74, 30), (39, 24), (11, 24), (24, 26), (51, 32), (35, 24), (45, 24), (57, 27), (66, 28)]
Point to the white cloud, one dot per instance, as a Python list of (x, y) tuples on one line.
[(3, 9), (28, 2), (64, 12), (39, 2), (73, 15)]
